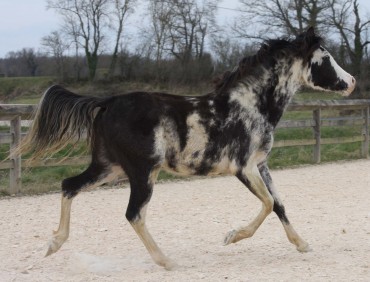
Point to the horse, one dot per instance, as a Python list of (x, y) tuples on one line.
[(227, 131)]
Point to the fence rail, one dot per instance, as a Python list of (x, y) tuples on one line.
[(15, 114)]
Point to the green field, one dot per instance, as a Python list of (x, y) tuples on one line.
[(23, 90), (40, 180)]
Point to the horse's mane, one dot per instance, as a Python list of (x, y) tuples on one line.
[(301, 47)]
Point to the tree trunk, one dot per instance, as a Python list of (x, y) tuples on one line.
[(92, 63)]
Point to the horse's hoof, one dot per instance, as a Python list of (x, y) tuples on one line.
[(54, 245), (304, 248), (230, 237), (171, 265), (51, 250)]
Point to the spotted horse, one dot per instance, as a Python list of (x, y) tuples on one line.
[(227, 131)]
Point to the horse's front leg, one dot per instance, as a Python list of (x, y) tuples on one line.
[(141, 192), (251, 177), (279, 209)]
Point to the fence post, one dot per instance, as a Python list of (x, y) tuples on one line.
[(15, 171), (317, 133), (365, 133)]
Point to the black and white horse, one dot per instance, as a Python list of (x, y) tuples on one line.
[(228, 131)]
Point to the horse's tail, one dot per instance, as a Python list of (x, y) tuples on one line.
[(61, 118)]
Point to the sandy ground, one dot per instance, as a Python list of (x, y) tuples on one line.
[(329, 206)]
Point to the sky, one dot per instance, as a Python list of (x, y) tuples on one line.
[(24, 22)]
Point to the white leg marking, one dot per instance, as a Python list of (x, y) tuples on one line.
[(260, 189), (149, 243), (61, 235), (292, 235), (294, 238)]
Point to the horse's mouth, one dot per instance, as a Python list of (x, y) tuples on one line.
[(348, 91)]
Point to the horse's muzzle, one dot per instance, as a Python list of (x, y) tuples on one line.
[(349, 86)]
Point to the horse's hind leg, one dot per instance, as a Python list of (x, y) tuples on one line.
[(61, 235), (95, 175), (141, 192), (279, 209)]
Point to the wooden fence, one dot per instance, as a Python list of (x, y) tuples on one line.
[(16, 113)]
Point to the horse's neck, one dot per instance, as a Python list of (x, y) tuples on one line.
[(270, 93), (289, 81)]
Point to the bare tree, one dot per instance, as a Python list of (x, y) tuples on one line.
[(22, 63), (179, 27), (228, 52), (346, 19), (188, 23), (56, 47), (72, 30), (11, 64), (268, 18), (160, 17), (121, 9), (30, 60), (86, 21)]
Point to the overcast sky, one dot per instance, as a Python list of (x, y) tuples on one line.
[(24, 22)]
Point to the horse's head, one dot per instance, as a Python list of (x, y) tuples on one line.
[(323, 72)]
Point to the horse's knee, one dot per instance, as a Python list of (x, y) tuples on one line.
[(136, 212), (132, 215), (136, 209)]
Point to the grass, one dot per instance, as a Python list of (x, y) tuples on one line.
[(23, 90), (307, 95), (307, 133), (295, 156), (41, 180)]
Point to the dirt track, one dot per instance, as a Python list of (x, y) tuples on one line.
[(329, 206)]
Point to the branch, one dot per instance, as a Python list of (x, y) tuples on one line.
[(363, 45)]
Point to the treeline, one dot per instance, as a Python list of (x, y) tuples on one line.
[(136, 67), (139, 66), (180, 41)]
